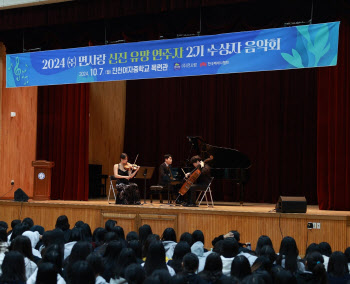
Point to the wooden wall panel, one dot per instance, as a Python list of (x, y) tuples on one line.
[(107, 123), (129, 222), (213, 222), (18, 136), (159, 222)]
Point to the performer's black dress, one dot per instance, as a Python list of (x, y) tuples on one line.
[(128, 192)]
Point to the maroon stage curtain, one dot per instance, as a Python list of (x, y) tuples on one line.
[(63, 137), (269, 116), (333, 123)]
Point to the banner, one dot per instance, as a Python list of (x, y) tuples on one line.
[(263, 50)]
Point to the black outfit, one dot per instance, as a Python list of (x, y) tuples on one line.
[(200, 184), (165, 174), (193, 278), (128, 192)]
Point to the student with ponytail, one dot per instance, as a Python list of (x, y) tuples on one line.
[(315, 271)]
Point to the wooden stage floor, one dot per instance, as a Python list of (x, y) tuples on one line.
[(251, 219)]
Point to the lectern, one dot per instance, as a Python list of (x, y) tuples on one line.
[(42, 179)]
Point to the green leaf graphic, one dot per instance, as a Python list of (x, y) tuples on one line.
[(294, 59)]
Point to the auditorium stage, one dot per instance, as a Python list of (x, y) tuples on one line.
[(251, 219)]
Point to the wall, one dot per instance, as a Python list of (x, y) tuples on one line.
[(107, 123), (17, 134)]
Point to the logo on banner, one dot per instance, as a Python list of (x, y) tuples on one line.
[(177, 66), (203, 64)]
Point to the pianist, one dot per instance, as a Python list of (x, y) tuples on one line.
[(165, 175)]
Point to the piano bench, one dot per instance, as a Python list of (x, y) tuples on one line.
[(157, 189)]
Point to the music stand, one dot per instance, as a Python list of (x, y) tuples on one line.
[(145, 173)]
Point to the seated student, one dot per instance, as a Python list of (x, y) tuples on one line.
[(326, 251), (3, 245), (288, 256), (13, 270), (229, 251), (232, 234), (128, 192), (169, 242), (338, 271), (198, 249), (190, 264), (212, 271), (315, 271), (63, 224), (181, 249)]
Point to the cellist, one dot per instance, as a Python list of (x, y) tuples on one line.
[(200, 184)]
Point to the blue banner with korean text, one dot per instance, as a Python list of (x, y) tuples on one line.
[(263, 50)]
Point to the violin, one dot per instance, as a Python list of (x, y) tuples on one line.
[(132, 167)]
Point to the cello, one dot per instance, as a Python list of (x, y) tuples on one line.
[(192, 178)]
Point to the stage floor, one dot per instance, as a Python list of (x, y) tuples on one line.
[(250, 219)]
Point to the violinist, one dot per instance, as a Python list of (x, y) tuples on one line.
[(201, 183), (128, 192)]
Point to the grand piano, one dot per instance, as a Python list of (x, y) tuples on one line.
[(227, 163)]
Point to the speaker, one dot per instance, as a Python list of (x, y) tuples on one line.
[(291, 204), (21, 196)]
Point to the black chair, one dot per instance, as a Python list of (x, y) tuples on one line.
[(160, 189)]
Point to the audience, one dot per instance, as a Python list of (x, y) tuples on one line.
[(29, 254)]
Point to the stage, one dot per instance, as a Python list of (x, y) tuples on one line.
[(251, 219)]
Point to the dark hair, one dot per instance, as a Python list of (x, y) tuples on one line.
[(47, 273), (268, 252), (147, 242), (179, 279), (110, 236), (180, 250), (240, 267), (155, 257), (4, 225), (23, 245), (135, 274), (197, 236), (80, 251), (195, 159), (54, 254), (186, 237), (167, 156), (136, 247), (96, 262), (3, 235), (28, 221), (190, 263), (325, 249), (212, 268), (217, 247), (109, 225), (236, 235), (120, 232), (86, 234), (75, 235), (261, 264), (13, 268), (38, 228), (288, 251), (311, 248), (15, 222), (81, 273), (229, 248), (123, 156), (132, 236), (126, 257), (161, 275), (338, 264), (347, 254), (18, 230), (169, 234), (62, 223), (98, 236), (78, 224), (262, 241), (253, 278), (55, 236), (144, 232), (282, 276), (314, 263), (111, 258)]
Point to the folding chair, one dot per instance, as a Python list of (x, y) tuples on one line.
[(203, 193), (112, 188)]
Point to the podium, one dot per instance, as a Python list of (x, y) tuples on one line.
[(42, 179)]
